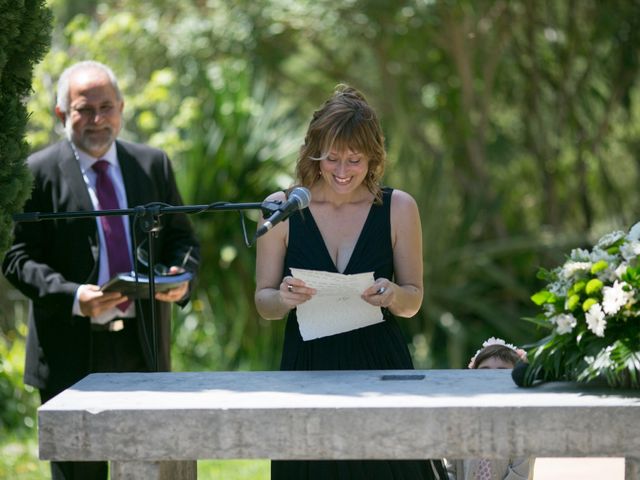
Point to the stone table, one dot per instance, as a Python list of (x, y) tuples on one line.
[(156, 425)]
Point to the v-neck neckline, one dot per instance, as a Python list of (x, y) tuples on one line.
[(356, 247)]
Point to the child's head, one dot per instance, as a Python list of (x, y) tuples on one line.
[(495, 353)]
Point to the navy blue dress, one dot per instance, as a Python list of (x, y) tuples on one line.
[(376, 347)]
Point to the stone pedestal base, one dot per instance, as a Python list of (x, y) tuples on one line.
[(632, 468), (186, 470)]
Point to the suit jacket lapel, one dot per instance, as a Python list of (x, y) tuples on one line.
[(69, 167), (70, 170), (129, 176), (132, 185)]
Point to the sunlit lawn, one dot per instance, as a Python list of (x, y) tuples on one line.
[(19, 458), (19, 461)]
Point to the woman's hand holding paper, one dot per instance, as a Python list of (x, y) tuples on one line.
[(294, 292)]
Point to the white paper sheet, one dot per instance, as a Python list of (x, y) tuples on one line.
[(337, 306)]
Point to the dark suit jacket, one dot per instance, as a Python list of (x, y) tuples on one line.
[(49, 259)]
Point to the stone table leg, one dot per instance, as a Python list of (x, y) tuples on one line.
[(184, 470), (632, 468)]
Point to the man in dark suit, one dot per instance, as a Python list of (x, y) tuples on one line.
[(74, 327)]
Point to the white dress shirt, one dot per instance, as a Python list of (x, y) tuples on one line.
[(86, 161)]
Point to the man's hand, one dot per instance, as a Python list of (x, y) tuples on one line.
[(175, 294), (94, 301)]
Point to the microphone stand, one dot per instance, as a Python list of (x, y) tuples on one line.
[(149, 215)]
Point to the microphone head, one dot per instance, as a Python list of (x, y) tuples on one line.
[(302, 196)]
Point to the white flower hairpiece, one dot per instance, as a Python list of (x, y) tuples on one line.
[(498, 341)]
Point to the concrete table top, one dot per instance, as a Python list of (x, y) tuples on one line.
[(333, 415)]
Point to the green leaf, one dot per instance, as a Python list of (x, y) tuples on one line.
[(632, 276), (544, 274), (542, 297), (540, 320)]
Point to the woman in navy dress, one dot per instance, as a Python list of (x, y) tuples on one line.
[(352, 225)]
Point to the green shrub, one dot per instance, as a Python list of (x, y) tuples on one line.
[(19, 401)]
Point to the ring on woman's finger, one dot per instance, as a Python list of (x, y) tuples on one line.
[(290, 288)]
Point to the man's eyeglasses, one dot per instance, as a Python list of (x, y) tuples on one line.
[(90, 112)]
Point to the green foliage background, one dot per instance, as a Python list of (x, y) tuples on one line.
[(24, 39), (514, 124)]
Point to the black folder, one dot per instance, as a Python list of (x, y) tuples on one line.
[(139, 288)]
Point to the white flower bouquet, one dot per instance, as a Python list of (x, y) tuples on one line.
[(591, 307)]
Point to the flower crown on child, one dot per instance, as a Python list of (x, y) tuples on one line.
[(498, 341)]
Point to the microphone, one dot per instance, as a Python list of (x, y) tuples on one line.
[(299, 198)]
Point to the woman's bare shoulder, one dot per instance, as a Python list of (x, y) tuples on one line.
[(401, 199)]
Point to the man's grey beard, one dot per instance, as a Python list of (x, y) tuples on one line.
[(81, 143)]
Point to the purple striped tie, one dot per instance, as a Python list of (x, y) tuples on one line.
[(112, 226)]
